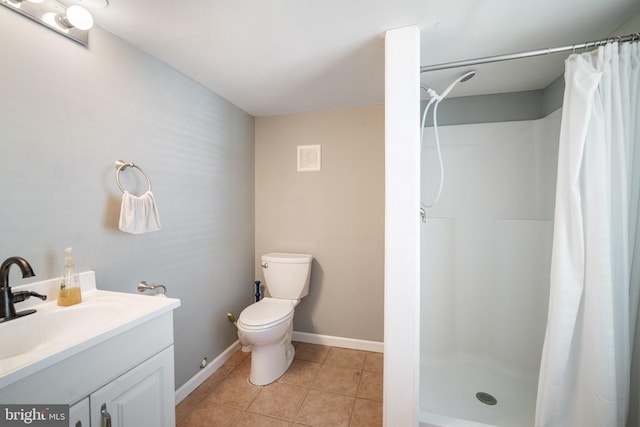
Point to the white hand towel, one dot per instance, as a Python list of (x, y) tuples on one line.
[(138, 214)]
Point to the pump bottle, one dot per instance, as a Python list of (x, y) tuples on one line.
[(70, 284)]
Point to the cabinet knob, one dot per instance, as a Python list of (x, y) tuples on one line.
[(79, 424), (106, 417)]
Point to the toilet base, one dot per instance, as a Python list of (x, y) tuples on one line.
[(268, 363)]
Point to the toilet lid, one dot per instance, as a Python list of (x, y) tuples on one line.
[(265, 312)]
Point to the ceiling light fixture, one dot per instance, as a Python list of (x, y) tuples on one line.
[(76, 16), (73, 21)]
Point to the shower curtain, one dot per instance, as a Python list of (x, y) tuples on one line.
[(586, 361)]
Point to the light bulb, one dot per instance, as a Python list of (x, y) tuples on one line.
[(35, 1), (77, 16)]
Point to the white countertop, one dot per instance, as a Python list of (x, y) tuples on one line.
[(37, 341)]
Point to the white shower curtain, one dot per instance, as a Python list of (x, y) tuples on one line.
[(587, 356)]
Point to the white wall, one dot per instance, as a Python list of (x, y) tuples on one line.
[(486, 247), (68, 113)]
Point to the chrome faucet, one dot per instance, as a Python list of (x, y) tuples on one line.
[(7, 297), (143, 286)]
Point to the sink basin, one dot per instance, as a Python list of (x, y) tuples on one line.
[(33, 342), (52, 324), (26, 328), (79, 320)]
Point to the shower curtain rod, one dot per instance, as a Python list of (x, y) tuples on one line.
[(519, 55)]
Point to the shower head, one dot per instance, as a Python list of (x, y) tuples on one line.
[(463, 78), (468, 75)]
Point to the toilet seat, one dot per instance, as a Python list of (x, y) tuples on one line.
[(266, 313)]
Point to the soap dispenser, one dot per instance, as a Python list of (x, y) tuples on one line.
[(70, 284)]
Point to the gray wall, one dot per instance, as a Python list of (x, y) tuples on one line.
[(501, 107), (68, 112), (337, 215)]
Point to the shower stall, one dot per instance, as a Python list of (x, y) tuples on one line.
[(485, 260), (467, 289), (485, 256)]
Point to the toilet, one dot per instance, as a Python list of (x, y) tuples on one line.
[(265, 327)]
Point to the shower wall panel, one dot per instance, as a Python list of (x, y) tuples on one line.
[(437, 267), (486, 245), (520, 274)]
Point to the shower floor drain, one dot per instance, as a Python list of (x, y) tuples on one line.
[(486, 398)]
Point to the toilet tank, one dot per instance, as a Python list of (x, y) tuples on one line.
[(287, 275)]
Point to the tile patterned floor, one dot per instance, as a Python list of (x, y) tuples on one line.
[(325, 386)]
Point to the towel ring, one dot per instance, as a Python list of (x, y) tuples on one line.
[(120, 166)]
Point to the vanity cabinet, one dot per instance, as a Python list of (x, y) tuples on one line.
[(130, 372), (137, 398), (79, 414)]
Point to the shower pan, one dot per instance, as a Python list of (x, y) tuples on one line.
[(485, 260)]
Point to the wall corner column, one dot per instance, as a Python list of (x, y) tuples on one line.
[(402, 227)]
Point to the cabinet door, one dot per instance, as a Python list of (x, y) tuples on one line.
[(79, 414), (144, 396)]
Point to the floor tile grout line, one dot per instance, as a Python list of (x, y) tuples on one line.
[(353, 408), (359, 383), (262, 388), (295, 418), (355, 398), (283, 419)]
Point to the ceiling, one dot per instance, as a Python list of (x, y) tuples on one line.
[(274, 57)]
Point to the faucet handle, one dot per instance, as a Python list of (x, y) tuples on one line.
[(143, 286), (25, 295)]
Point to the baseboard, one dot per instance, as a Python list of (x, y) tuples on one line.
[(332, 341), (206, 372), (352, 343)]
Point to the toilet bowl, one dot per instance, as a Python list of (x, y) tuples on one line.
[(265, 328), (269, 343)]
